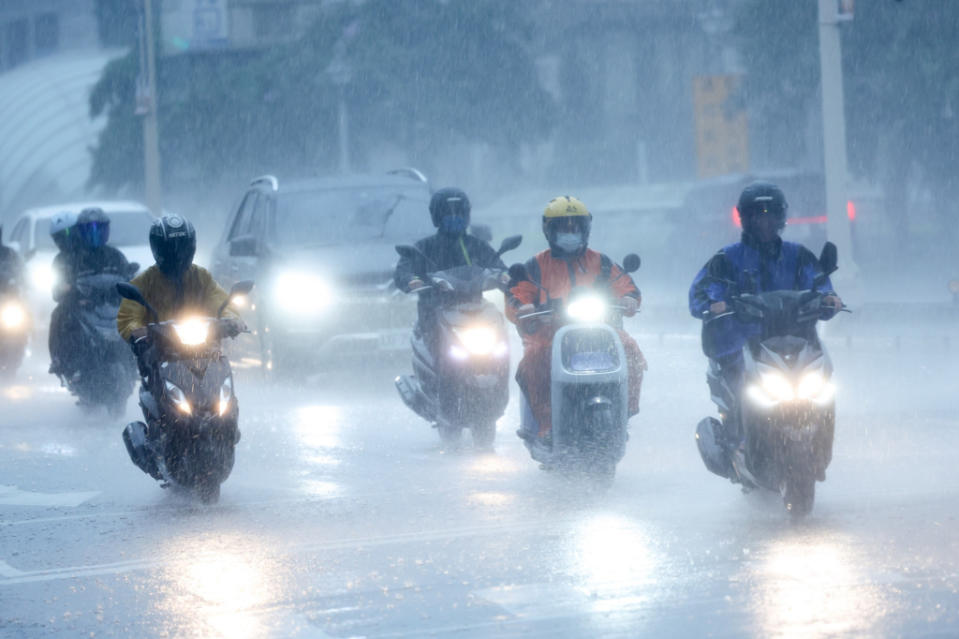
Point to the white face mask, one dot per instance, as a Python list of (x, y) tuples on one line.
[(569, 242)]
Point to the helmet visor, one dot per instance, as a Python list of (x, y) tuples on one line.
[(94, 234), (572, 224)]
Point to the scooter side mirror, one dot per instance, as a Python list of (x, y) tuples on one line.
[(509, 244), (416, 256), (130, 292), (829, 258), (238, 290), (518, 273), (631, 263)]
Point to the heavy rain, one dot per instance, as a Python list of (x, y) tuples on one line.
[(479, 318)]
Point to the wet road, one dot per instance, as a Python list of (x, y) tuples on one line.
[(344, 518)]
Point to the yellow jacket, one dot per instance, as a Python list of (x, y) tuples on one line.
[(201, 296)]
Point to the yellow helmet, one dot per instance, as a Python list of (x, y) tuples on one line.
[(565, 206), (566, 214)]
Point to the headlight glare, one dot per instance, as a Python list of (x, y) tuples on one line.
[(42, 276), (192, 332), (477, 340), (777, 387), (226, 394), (13, 316), (811, 385), (178, 398), (302, 293), (587, 309)]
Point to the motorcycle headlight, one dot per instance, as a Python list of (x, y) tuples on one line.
[(816, 388), (42, 276), (192, 332), (13, 316), (302, 293), (178, 397), (587, 309), (477, 340), (777, 387), (226, 394)]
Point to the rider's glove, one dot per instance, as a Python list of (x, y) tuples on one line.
[(414, 284), (530, 325), (140, 345), (630, 306), (233, 327)]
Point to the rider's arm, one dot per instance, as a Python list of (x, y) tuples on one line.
[(213, 295), (521, 294), (809, 270), (130, 317), (405, 273), (705, 291)]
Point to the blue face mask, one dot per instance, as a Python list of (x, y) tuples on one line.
[(454, 224), (570, 242)]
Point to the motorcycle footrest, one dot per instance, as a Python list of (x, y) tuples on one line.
[(135, 440)]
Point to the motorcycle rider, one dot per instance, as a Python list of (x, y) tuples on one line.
[(174, 286), (761, 261), (11, 266), (83, 250), (449, 247), (553, 273)]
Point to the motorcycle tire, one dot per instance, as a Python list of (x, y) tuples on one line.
[(799, 494), (484, 434), (208, 490), (450, 435)]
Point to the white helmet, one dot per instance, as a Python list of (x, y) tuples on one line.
[(60, 225), (62, 221)]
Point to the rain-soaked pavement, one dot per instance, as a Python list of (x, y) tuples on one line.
[(344, 518)]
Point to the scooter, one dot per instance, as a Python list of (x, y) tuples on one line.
[(461, 381), (589, 382), (188, 401), (107, 371), (15, 326), (785, 409)]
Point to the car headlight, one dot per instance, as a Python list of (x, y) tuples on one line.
[(178, 398), (587, 309), (477, 340), (302, 293), (42, 276), (13, 316), (192, 332), (226, 394)]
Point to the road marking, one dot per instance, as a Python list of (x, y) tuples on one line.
[(13, 496), (120, 567), (7, 571)]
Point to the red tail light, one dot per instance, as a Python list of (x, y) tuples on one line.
[(851, 210), (736, 219)]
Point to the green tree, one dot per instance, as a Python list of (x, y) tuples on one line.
[(423, 75), (901, 90)]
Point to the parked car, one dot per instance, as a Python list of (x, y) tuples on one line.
[(321, 252), (129, 229)]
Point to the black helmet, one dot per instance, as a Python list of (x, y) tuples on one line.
[(762, 198), (173, 242), (93, 228), (450, 202)]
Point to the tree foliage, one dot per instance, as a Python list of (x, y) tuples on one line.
[(901, 91), (422, 75)]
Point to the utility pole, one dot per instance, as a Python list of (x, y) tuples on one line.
[(147, 107), (834, 136)]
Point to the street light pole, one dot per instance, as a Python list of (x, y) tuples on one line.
[(151, 137), (834, 136)]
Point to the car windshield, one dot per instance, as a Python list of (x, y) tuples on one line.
[(339, 215), (127, 228)]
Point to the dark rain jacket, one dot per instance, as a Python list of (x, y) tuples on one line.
[(443, 252), (749, 267), (68, 266)]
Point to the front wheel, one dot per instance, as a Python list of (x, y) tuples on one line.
[(484, 434), (208, 491), (450, 434), (799, 493)]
